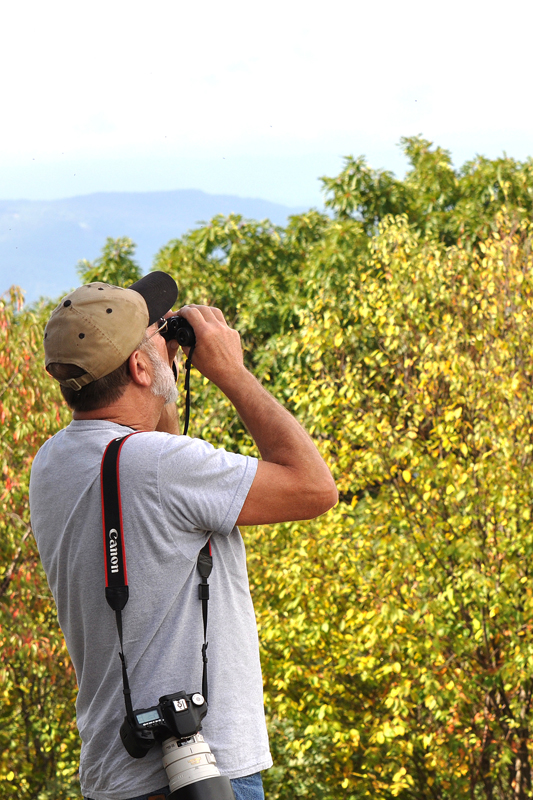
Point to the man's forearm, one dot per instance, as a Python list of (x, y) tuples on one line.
[(278, 435), (305, 485)]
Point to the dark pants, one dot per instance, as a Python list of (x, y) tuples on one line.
[(248, 788)]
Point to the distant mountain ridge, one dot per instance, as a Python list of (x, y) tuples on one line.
[(41, 241)]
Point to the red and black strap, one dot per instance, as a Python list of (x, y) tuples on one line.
[(116, 574)]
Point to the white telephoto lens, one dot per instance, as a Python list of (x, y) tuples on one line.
[(188, 762)]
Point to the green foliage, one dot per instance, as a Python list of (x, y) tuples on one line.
[(115, 265), (395, 630), (240, 264), (438, 201)]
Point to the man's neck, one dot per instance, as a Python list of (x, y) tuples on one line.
[(118, 419), (138, 410)]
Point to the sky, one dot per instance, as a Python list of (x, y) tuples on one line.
[(253, 99)]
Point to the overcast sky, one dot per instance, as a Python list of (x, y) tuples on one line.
[(255, 99)]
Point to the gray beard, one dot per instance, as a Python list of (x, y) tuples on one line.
[(163, 384)]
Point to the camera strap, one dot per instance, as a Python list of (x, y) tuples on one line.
[(205, 565), (116, 576), (187, 387), (116, 588)]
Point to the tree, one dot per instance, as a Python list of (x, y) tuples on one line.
[(38, 736), (115, 265), (395, 630), (438, 200)]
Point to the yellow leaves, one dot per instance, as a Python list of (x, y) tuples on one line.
[(453, 414), (406, 475), (401, 780), (391, 730), (354, 737)]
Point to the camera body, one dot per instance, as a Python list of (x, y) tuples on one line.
[(179, 714), (187, 758), (179, 329)]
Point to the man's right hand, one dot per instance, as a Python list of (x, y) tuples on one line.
[(218, 352)]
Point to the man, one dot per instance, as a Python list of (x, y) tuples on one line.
[(103, 345)]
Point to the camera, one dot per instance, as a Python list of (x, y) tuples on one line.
[(179, 329), (187, 758)]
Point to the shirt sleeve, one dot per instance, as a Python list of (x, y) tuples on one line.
[(203, 488)]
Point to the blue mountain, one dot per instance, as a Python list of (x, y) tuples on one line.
[(41, 241)]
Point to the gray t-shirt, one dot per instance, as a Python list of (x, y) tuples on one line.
[(175, 492)]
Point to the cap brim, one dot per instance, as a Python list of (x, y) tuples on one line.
[(160, 292)]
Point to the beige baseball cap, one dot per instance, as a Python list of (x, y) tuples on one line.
[(98, 326)]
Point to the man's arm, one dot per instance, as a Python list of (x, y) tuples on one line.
[(292, 480)]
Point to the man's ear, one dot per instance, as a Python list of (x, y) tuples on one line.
[(138, 363)]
